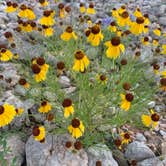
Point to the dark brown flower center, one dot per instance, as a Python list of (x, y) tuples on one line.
[(138, 53), (78, 145), (138, 9), (15, 5), (41, 1), (69, 29), (75, 123), (13, 45), (1, 109), (60, 65), (87, 33), (36, 69), (157, 50), (126, 136), (103, 77), (44, 103), (155, 117), (68, 144), (42, 141), (23, 7), (126, 86), (112, 23), (91, 5), (140, 20), (146, 39), (61, 6), (123, 7), (40, 61), (8, 34), (95, 29), (9, 3), (146, 26), (36, 131), (129, 97), (33, 24), (127, 32), (47, 13), (98, 163), (125, 14), (79, 55), (67, 102), (50, 117), (156, 67), (123, 62), (16, 110), (163, 81), (18, 29), (118, 142), (146, 15), (67, 9), (81, 4), (3, 50), (22, 81), (115, 41)]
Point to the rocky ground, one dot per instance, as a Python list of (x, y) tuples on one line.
[(147, 149)]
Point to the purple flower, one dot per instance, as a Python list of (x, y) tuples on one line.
[(106, 21)]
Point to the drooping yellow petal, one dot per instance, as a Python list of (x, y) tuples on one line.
[(146, 120)]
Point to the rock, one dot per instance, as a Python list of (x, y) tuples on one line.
[(20, 90), (152, 104), (16, 150), (101, 153), (163, 133), (156, 161), (163, 148), (70, 90), (138, 151), (64, 81), (140, 137), (162, 21), (9, 73), (119, 157), (53, 153)]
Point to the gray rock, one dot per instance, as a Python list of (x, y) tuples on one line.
[(16, 150), (138, 151), (53, 153), (140, 137), (162, 21), (119, 157), (70, 90), (163, 133), (64, 81), (102, 153), (156, 161), (163, 148)]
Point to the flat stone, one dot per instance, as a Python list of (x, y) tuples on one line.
[(138, 151)]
